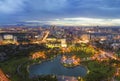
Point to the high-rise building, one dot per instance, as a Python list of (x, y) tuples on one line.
[(63, 43)]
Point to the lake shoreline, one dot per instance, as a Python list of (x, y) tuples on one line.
[(61, 66)]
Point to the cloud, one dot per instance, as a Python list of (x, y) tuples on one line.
[(25, 10), (81, 22), (11, 6), (78, 21)]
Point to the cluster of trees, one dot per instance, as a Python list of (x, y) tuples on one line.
[(17, 55), (20, 50), (45, 78), (99, 72), (83, 50), (118, 53)]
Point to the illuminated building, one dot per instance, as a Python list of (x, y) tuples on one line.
[(9, 39), (63, 43), (53, 42)]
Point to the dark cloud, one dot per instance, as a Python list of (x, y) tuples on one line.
[(23, 10)]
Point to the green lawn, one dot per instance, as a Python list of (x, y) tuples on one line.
[(99, 71), (10, 67), (118, 78)]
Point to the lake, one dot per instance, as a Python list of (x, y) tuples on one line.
[(55, 67)]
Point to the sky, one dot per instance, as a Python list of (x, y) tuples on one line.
[(61, 12)]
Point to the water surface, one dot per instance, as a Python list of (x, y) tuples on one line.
[(55, 67)]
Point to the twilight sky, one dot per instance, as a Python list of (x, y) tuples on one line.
[(61, 12)]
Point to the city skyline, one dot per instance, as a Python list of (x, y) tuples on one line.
[(59, 40), (61, 12)]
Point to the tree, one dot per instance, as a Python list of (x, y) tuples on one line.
[(99, 71)]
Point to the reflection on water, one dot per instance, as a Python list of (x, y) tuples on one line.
[(55, 67)]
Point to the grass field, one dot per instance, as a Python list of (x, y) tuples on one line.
[(10, 68)]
